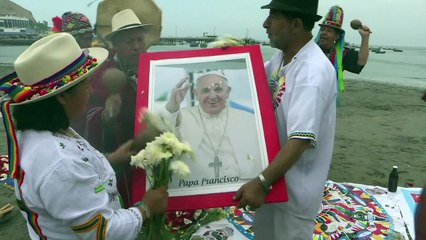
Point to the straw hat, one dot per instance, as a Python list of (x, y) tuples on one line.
[(306, 7), (146, 11), (50, 66), (124, 20), (334, 19)]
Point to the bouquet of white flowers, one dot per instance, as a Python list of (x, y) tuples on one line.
[(160, 159)]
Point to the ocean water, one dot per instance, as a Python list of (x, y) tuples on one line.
[(407, 68)]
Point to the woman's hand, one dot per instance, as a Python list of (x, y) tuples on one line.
[(156, 200), (122, 153)]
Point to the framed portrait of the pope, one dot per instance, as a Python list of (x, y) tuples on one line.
[(217, 101)]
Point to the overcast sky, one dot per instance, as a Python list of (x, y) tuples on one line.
[(393, 22)]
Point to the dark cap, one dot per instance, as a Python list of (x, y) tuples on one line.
[(306, 7)]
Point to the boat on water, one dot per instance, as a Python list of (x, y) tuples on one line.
[(15, 30), (203, 45), (392, 49), (378, 50), (194, 44)]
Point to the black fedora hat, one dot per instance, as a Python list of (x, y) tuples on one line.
[(307, 7)]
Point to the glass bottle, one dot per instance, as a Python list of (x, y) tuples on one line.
[(393, 180)]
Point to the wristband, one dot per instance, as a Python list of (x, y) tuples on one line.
[(265, 185), (142, 205)]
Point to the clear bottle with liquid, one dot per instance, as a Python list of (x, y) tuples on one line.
[(393, 180)]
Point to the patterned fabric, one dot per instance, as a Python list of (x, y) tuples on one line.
[(75, 23), (349, 212), (302, 135), (277, 85), (12, 143), (218, 234), (242, 220), (98, 222)]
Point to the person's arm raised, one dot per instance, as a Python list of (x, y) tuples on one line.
[(364, 50), (178, 94)]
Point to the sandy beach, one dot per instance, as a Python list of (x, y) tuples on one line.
[(378, 126)]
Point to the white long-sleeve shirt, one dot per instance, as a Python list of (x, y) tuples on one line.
[(69, 189)]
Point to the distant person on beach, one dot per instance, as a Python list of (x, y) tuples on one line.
[(331, 39), (302, 82), (65, 188), (111, 112), (76, 24), (224, 139)]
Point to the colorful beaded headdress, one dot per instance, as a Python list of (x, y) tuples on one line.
[(334, 18), (73, 23)]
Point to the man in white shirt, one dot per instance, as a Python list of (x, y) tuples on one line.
[(224, 139), (303, 86)]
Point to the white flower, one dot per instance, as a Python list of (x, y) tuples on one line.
[(3, 176), (162, 153), (155, 120), (197, 213), (180, 168), (139, 159), (156, 152), (187, 221), (170, 140)]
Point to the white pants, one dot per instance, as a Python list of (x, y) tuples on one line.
[(274, 222)]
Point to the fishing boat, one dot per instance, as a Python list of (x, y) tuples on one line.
[(378, 50)]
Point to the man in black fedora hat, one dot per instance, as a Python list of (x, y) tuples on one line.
[(302, 82)]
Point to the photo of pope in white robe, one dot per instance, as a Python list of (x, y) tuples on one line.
[(225, 139)]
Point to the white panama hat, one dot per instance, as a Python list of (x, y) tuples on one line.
[(50, 66), (124, 20)]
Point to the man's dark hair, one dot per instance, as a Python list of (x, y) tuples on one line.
[(44, 115), (307, 20)]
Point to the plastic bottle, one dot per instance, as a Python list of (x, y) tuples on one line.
[(393, 180)]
